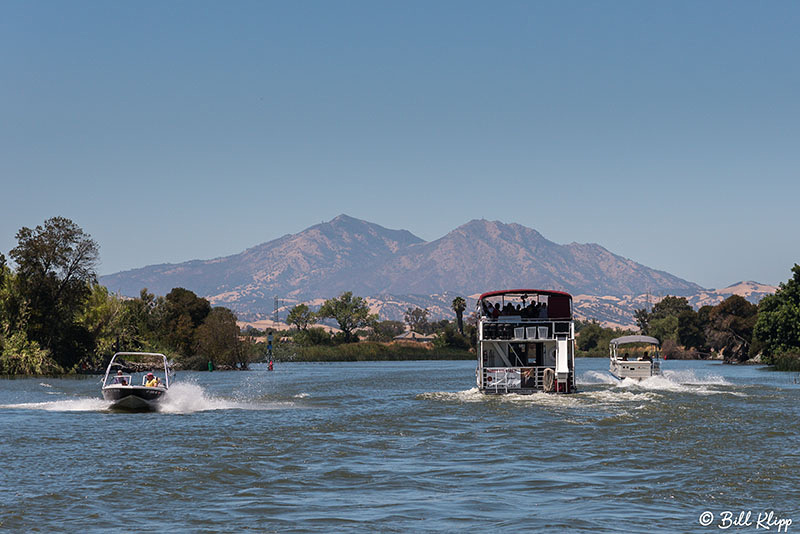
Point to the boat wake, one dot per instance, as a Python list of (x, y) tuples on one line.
[(596, 377), (685, 381), (187, 397), (682, 381), (71, 405), (620, 391), (181, 398)]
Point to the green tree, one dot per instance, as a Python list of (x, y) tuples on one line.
[(301, 317), (459, 305), (777, 328), (589, 336), (218, 339), (730, 328), (664, 328), (417, 320), (672, 318), (449, 336), (21, 356), (180, 314), (55, 266), (642, 318), (691, 330), (138, 323), (312, 337), (349, 312), (11, 304), (102, 316), (386, 330)]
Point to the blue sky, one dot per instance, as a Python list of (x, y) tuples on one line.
[(668, 132)]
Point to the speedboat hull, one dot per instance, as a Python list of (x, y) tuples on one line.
[(133, 398)]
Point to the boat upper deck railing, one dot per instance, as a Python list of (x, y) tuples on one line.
[(517, 330)]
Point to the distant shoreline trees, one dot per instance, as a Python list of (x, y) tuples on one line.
[(56, 318)]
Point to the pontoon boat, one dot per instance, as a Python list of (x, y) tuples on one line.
[(634, 357)]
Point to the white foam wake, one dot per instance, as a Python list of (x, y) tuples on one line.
[(596, 377), (186, 397), (72, 405), (678, 381)]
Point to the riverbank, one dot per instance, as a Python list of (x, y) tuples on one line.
[(371, 351)]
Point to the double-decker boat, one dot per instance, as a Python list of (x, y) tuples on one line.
[(119, 388), (526, 342), (634, 357)]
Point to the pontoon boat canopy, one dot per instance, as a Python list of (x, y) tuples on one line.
[(624, 340)]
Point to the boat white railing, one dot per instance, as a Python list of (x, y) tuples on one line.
[(502, 379), (516, 329)]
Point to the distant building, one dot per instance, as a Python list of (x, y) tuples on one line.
[(413, 336)]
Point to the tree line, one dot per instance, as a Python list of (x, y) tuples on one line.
[(56, 318), (735, 329), (355, 323)]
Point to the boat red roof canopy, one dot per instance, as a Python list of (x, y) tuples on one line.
[(559, 302), (523, 292)]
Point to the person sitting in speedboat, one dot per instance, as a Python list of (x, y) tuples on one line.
[(152, 380), (119, 379)]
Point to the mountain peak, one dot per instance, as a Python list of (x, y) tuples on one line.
[(350, 254)]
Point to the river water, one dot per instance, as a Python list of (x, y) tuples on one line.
[(405, 447)]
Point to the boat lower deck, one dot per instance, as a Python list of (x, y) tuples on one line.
[(524, 380)]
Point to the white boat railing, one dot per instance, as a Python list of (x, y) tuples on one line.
[(502, 379), (516, 329)]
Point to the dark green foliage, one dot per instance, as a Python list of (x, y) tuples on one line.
[(691, 329), (180, 314), (386, 330), (593, 340), (417, 320), (589, 336), (301, 317), (312, 336), (674, 319), (450, 337), (777, 330), (786, 362), (218, 339), (351, 313), (730, 328), (459, 305), (55, 268)]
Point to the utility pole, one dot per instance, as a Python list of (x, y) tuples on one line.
[(276, 316)]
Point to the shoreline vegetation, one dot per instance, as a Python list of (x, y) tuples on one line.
[(56, 319)]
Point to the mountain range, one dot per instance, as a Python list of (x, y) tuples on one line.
[(395, 269)]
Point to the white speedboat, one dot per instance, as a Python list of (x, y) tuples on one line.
[(124, 394), (635, 357), (526, 342)]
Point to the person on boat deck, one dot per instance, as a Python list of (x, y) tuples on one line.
[(496, 310), (152, 381), (625, 357), (646, 358), (119, 379), (543, 311)]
